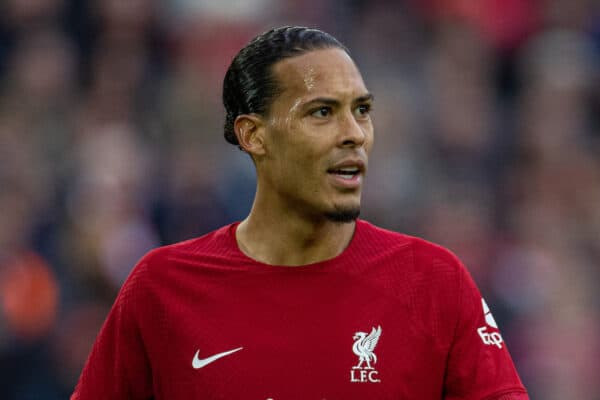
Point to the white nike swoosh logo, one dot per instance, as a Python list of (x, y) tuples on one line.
[(198, 363)]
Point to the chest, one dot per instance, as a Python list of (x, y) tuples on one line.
[(306, 338)]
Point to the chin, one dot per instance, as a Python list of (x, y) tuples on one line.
[(343, 215)]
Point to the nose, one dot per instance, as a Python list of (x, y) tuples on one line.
[(353, 133)]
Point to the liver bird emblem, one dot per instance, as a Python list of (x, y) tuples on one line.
[(364, 346)]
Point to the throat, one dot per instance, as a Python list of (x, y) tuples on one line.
[(287, 245)]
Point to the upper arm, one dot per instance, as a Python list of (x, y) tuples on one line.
[(479, 365), (118, 366)]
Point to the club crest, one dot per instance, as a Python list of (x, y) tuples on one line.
[(364, 348)]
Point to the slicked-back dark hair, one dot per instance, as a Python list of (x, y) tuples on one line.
[(249, 85)]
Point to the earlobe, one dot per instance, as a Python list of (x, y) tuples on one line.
[(249, 132)]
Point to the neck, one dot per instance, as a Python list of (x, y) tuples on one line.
[(290, 239)]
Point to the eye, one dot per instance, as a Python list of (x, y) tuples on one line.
[(321, 112), (362, 110)]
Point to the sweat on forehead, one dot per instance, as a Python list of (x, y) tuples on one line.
[(326, 71)]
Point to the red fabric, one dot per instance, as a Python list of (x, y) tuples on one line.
[(297, 326)]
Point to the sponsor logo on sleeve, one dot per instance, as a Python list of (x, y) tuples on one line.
[(491, 337)]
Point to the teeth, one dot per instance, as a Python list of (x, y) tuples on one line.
[(351, 170)]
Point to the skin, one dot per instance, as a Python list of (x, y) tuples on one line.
[(319, 121)]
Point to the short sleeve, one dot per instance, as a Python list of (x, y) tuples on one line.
[(479, 365), (118, 366)]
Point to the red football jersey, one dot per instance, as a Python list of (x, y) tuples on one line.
[(392, 317)]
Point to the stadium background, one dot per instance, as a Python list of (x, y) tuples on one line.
[(487, 141)]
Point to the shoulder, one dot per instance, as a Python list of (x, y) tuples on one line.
[(422, 251), (162, 261), (428, 278), (426, 265)]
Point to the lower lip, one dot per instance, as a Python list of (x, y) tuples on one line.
[(352, 183)]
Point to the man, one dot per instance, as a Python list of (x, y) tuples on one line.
[(301, 300)]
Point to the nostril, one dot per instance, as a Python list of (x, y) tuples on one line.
[(353, 140)]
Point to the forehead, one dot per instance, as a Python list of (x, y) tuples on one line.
[(322, 72)]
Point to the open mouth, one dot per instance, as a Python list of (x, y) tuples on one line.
[(347, 173)]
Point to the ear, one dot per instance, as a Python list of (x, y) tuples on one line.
[(249, 130)]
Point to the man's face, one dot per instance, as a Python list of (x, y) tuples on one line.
[(318, 134)]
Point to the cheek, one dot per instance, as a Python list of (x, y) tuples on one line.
[(370, 138), (288, 158), (297, 151), (299, 168), (295, 143)]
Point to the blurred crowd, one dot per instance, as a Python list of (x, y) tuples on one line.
[(487, 117)]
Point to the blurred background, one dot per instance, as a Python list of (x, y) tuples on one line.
[(487, 119)]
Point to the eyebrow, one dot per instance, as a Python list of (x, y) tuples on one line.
[(334, 102), (366, 97)]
